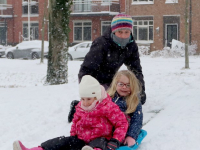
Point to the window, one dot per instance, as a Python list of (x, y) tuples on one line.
[(106, 2), (82, 31), (171, 1), (3, 33), (143, 30), (142, 2), (104, 26), (82, 5), (31, 1), (34, 31), (3, 1), (33, 6)]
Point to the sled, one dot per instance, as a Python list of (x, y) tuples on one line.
[(141, 136)]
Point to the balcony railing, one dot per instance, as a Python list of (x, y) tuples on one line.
[(6, 11), (95, 6)]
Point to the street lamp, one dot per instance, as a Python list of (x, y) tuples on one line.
[(29, 20)]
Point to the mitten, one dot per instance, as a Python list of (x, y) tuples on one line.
[(113, 144), (143, 97), (72, 110), (99, 143), (129, 141)]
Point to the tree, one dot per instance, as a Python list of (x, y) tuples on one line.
[(187, 20), (187, 17), (43, 29), (59, 13)]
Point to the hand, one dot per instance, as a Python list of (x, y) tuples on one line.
[(113, 144), (99, 143), (143, 97), (129, 141)]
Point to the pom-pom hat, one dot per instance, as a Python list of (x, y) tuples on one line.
[(122, 22), (89, 87)]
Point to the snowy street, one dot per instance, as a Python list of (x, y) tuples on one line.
[(34, 113)]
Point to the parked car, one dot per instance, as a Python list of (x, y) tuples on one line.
[(79, 51), (28, 50), (3, 49)]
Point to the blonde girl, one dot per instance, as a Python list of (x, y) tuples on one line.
[(124, 91)]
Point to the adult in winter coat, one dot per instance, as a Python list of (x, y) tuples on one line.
[(110, 51), (96, 116)]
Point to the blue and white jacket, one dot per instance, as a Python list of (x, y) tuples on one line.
[(136, 118)]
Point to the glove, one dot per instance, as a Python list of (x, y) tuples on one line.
[(99, 143), (113, 144), (143, 97), (72, 110), (129, 141)]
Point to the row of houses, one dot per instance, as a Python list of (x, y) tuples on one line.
[(156, 22)]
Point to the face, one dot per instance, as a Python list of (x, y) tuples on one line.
[(123, 34), (87, 101), (123, 86)]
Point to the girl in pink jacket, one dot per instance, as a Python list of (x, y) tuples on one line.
[(97, 118)]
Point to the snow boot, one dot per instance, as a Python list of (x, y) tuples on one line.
[(17, 145)]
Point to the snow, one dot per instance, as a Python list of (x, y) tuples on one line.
[(33, 113)]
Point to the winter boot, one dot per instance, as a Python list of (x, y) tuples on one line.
[(17, 145), (72, 110)]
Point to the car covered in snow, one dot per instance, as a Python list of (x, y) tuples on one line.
[(27, 50), (79, 51), (3, 49)]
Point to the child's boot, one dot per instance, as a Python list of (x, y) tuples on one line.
[(17, 145)]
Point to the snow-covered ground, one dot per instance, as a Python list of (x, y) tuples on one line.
[(34, 113)]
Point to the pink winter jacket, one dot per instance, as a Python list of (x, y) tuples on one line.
[(100, 122)]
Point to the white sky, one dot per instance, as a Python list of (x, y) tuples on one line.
[(34, 113)]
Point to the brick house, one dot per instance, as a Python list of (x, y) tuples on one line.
[(89, 19), (159, 21), (156, 22), (14, 20)]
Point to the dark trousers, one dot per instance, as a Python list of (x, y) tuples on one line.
[(63, 143)]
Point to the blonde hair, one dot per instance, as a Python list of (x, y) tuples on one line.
[(132, 100)]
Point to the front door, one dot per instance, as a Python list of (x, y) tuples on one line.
[(171, 33)]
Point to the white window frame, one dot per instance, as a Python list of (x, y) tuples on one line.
[(82, 21), (103, 24), (3, 2), (106, 2), (144, 26), (139, 2), (82, 6), (171, 1), (32, 2), (26, 22)]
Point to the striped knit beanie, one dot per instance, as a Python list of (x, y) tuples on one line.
[(122, 22)]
